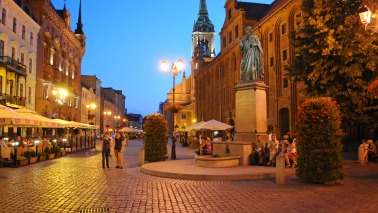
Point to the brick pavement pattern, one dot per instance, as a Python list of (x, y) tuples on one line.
[(78, 181)]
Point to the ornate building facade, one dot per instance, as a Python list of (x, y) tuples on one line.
[(58, 61), (18, 51)]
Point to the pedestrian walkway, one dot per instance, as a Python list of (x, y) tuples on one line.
[(78, 181)]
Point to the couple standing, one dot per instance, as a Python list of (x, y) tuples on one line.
[(118, 149)]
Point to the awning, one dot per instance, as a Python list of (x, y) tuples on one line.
[(11, 118), (44, 122)]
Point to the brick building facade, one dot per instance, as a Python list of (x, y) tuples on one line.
[(59, 57), (215, 80)]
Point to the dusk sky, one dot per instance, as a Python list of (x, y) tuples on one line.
[(127, 40)]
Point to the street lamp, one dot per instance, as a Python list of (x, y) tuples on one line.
[(107, 114), (15, 144), (63, 93), (366, 16), (117, 118), (91, 106), (176, 69)]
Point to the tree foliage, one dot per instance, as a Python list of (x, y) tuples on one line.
[(336, 57), (155, 138), (319, 141)]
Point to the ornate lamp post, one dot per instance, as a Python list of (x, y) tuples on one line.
[(63, 93), (107, 114), (89, 116), (367, 16), (36, 147), (15, 144), (175, 70), (117, 118)]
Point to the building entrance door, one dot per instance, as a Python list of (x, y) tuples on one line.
[(285, 122)]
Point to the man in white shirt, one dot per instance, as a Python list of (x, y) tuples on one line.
[(273, 149), (217, 138)]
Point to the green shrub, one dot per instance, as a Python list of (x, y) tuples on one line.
[(57, 149), (21, 158), (319, 141), (156, 139), (47, 150), (42, 154), (27, 154), (32, 154)]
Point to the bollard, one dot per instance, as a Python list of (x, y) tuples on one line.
[(141, 157), (280, 170), (361, 155)]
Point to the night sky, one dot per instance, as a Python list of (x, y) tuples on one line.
[(127, 41)]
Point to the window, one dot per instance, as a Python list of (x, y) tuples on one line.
[(14, 25), (298, 20), (4, 16), (45, 95), (13, 53), (229, 94), (196, 65), (271, 62), (286, 83), (224, 42), (23, 32), (237, 31), (284, 55), (30, 65), (224, 96), (22, 58), (183, 116), (283, 29), (1, 48), (29, 96), (31, 38), (270, 37), (230, 37), (1, 84), (21, 90), (11, 87), (229, 14)]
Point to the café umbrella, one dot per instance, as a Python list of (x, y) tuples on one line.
[(11, 118), (44, 122), (194, 126)]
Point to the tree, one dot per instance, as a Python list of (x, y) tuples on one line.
[(336, 57), (319, 141), (155, 139)]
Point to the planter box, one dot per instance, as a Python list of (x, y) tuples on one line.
[(41, 158), (1, 164), (23, 162), (58, 154), (33, 160), (51, 156), (63, 153)]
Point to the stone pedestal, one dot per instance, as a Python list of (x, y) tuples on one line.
[(361, 155), (141, 157), (280, 170), (251, 111)]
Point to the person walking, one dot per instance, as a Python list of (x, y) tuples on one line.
[(118, 149), (105, 149)]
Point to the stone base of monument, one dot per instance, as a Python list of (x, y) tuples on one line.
[(228, 149), (250, 111)]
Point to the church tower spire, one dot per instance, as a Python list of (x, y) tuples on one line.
[(79, 29), (203, 32)]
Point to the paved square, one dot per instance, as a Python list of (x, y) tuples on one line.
[(78, 181)]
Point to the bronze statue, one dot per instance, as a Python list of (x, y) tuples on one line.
[(251, 67)]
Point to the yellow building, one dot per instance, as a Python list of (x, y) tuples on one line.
[(185, 96)]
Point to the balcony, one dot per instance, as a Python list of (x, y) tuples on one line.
[(12, 65), (14, 100)]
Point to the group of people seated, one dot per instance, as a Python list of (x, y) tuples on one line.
[(370, 149), (289, 151)]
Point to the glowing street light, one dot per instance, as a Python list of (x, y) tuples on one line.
[(366, 16)]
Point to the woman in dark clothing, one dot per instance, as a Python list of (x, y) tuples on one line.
[(118, 149), (105, 148)]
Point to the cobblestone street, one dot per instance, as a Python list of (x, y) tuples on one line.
[(78, 181)]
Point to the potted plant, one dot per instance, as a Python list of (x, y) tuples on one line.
[(22, 161), (57, 151), (27, 155), (33, 157), (62, 152), (41, 156)]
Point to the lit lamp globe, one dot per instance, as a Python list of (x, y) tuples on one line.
[(365, 15), (164, 65), (93, 106), (180, 65)]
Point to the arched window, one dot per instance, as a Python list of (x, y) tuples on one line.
[(285, 121)]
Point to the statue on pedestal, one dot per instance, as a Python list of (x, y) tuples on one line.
[(251, 68)]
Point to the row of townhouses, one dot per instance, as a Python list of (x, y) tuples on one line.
[(40, 67)]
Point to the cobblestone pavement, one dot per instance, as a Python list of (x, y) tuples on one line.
[(78, 181)]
